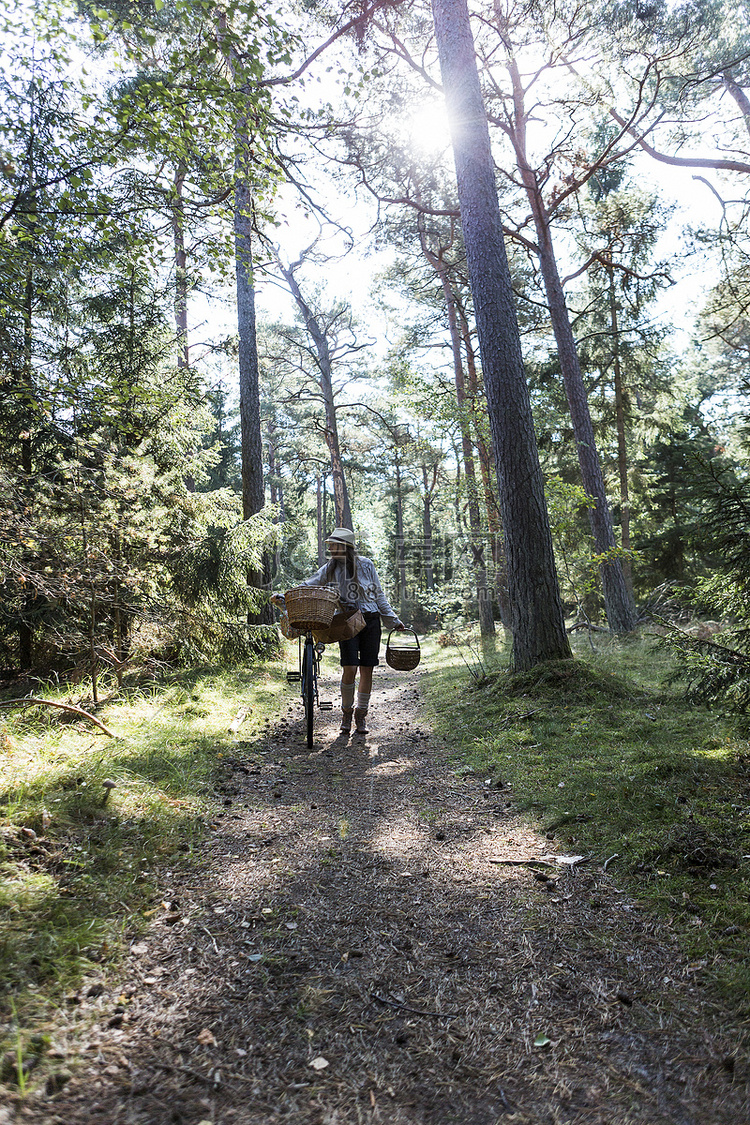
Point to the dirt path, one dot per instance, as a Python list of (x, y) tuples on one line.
[(349, 954)]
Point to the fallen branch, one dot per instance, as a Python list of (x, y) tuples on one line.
[(414, 1011), (26, 702), (208, 1080), (521, 863), (238, 720), (555, 861)]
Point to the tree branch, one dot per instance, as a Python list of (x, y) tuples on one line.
[(680, 161), (62, 706)]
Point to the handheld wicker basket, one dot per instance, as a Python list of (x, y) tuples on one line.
[(403, 657), (311, 607)]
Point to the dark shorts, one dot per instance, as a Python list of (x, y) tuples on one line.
[(364, 648)]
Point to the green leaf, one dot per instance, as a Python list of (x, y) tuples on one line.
[(542, 1040)]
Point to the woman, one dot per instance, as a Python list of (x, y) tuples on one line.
[(359, 588)]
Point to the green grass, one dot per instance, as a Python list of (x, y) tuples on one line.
[(597, 751), (78, 872), (609, 762)]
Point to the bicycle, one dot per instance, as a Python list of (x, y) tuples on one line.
[(309, 608), (307, 676)]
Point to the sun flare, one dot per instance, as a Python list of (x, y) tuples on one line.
[(428, 127)]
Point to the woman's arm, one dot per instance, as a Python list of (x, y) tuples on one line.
[(317, 579), (385, 609)]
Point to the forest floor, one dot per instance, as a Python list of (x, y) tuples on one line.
[(368, 938)]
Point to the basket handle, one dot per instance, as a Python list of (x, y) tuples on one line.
[(416, 638)]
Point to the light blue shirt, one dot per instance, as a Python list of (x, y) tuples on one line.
[(367, 593)]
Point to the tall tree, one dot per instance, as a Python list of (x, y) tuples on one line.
[(537, 625), (514, 121), (619, 342), (326, 330), (435, 256)]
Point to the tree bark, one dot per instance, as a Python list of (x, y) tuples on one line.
[(486, 468), (739, 96), (25, 628), (276, 490), (180, 268), (622, 448), (484, 593), (253, 485), (400, 540), (325, 382), (253, 490), (428, 536), (180, 283), (618, 601), (427, 498), (26, 702), (538, 626), (320, 527)]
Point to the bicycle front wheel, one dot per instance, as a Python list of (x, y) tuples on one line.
[(308, 690)]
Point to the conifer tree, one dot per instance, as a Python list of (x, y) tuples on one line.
[(537, 624)]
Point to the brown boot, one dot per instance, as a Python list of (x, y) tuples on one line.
[(346, 719), (360, 721)]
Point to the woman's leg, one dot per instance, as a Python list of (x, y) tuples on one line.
[(369, 649), (348, 676), (363, 698)]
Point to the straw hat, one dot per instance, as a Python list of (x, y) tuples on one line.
[(342, 535)]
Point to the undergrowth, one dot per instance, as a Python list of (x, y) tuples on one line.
[(612, 763), (79, 860)]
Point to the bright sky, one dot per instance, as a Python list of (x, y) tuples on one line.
[(351, 277)]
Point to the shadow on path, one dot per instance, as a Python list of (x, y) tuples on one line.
[(348, 953)]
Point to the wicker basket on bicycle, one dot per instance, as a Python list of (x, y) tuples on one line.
[(311, 607), (403, 657)]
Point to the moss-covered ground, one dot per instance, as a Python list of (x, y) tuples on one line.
[(612, 763)]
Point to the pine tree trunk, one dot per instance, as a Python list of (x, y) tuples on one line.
[(483, 592), (400, 541), (276, 492), (25, 628), (429, 573), (253, 490), (93, 659), (497, 547), (428, 538), (622, 447), (181, 284), (120, 613), (537, 618), (321, 526), (458, 514), (325, 381), (253, 486), (180, 268), (340, 490), (618, 601)]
